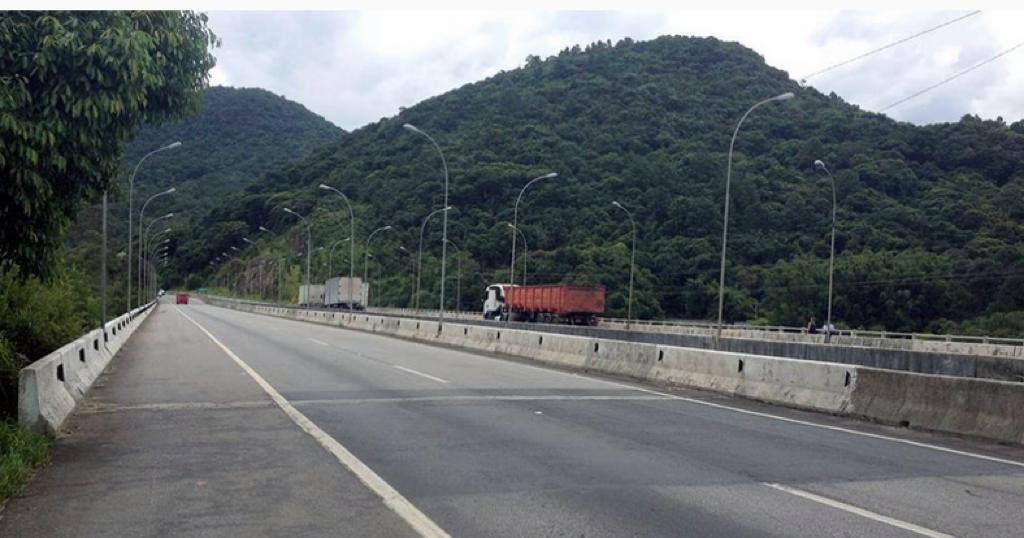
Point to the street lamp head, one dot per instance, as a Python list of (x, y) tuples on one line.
[(234, 248), (412, 128), (510, 225), (448, 208), (784, 97), (617, 204), (169, 215), (551, 175), (403, 249), (386, 228), (325, 187), (262, 229), (172, 145), (819, 163), (170, 190)]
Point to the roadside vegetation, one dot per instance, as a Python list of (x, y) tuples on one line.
[(21, 452)]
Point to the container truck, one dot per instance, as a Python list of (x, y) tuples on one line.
[(338, 294), (311, 295), (555, 303)]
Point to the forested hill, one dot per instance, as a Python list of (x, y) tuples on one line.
[(929, 222), (236, 136)]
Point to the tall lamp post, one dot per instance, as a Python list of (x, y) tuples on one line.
[(330, 255), (419, 258), (632, 266), (526, 249), (444, 229), (832, 251), (515, 223), (352, 245), (309, 245), (142, 215), (366, 263), (131, 216), (725, 218), (458, 273), (144, 238)]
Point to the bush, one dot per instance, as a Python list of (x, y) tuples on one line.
[(21, 451), (36, 318)]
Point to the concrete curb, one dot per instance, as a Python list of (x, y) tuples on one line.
[(51, 387)]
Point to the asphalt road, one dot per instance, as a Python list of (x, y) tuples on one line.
[(287, 428)]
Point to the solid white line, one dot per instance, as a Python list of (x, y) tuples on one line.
[(816, 425), (859, 511), (317, 341), (727, 407), (421, 374), (476, 398), (392, 499)]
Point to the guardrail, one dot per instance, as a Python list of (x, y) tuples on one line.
[(51, 387), (958, 344)]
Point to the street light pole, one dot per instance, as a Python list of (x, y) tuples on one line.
[(526, 250), (832, 250), (458, 277), (725, 218), (366, 263), (515, 223), (632, 265), (444, 229), (309, 245), (419, 258), (143, 238), (142, 214), (131, 217), (330, 255), (352, 245)]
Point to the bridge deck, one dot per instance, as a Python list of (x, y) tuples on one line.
[(179, 439)]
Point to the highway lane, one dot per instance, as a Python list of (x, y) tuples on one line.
[(486, 446)]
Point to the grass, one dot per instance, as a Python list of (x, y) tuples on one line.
[(21, 451)]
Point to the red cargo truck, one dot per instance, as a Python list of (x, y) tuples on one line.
[(182, 298), (555, 303)]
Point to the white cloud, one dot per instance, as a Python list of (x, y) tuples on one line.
[(356, 67)]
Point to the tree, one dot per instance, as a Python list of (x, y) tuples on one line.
[(73, 87)]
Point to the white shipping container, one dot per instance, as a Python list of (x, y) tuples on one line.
[(311, 295), (337, 292)]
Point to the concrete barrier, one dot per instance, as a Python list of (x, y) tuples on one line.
[(51, 387), (968, 406)]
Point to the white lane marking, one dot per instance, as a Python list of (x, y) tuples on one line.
[(859, 511), (421, 374), (815, 424), (550, 369), (391, 497), (473, 398), (314, 340)]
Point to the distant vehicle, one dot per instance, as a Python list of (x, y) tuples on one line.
[(556, 303), (160, 293), (311, 295), (203, 291), (337, 293), (181, 298)]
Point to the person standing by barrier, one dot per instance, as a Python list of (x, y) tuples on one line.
[(812, 328)]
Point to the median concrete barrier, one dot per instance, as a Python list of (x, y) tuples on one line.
[(968, 406), (50, 388)]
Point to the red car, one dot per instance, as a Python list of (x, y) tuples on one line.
[(181, 298)]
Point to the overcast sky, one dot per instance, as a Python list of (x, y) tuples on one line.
[(357, 67)]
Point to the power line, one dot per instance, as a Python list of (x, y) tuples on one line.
[(954, 77), (890, 45)]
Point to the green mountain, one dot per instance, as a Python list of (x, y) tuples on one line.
[(236, 136), (930, 232)]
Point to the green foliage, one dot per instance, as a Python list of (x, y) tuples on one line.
[(929, 218), (37, 317), (21, 451), (73, 87)]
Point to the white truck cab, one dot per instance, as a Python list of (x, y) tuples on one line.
[(494, 304)]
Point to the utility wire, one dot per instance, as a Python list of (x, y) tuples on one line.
[(954, 77), (890, 45)]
